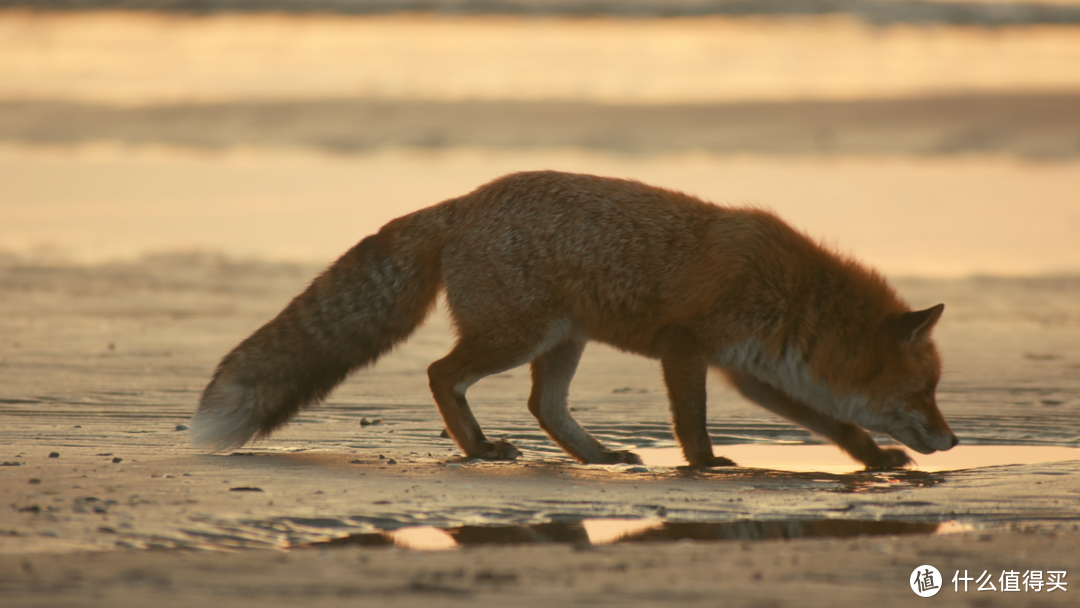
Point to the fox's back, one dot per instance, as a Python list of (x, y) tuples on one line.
[(535, 225), (619, 256)]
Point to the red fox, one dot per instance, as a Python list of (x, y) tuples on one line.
[(536, 264)]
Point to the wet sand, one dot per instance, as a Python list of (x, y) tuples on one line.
[(282, 502), (101, 363), (814, 572)]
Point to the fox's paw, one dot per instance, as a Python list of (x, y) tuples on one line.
[(714, 461), (889, 458), (620, 457), (498, 450)]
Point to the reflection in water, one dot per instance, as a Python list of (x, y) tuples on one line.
[(829, 458), (769, 530), (551, 532), (606, 531), (422, 538)]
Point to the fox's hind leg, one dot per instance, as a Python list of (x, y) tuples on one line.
[(449, 377), (551, 375), (850, 438), (476, 355)]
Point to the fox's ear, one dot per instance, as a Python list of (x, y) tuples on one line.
[(914, 327)]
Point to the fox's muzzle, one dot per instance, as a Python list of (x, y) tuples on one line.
[(928, 443)]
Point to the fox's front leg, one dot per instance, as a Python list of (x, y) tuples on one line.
[(685, 368), (850, 438)]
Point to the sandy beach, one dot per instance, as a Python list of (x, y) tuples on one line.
[(168, 181), (102, 363), (300, 490)]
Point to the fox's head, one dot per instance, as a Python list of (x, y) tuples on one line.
[(903, 400)]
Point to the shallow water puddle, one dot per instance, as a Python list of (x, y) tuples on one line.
[(609, 531), (829, 459)]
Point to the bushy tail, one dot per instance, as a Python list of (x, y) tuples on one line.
[(358, 309)]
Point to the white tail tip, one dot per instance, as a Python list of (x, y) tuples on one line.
[(226, 418)]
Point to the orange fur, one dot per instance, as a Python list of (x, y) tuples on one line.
[(536, 264)]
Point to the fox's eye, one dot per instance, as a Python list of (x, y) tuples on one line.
[(929, 392)]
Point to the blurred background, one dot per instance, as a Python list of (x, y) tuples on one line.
[(930, 138)]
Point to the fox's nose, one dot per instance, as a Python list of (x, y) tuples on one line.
[(955, 440)]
